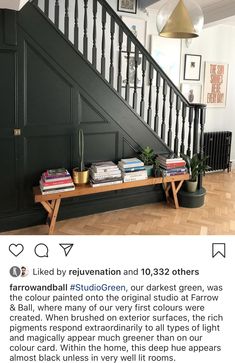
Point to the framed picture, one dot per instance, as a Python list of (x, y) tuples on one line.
[(215, 84), (192, 91), (192, 67), (131, 70), (137, 26), (167, 53), (127, 6)]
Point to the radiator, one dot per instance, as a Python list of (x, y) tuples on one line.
[(217, 146)]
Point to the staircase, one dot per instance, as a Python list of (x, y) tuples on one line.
[(74, 64), (98, 33)]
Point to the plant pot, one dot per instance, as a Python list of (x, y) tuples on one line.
[(80, 177), (149, 169), (191, 186)]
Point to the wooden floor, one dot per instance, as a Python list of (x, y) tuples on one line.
[(216, 217)]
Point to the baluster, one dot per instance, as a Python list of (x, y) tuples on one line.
[(103, 42), (184, 110), (94, 49), (190, 122), (46, 7), (201, 150), (127, 88), (134, 105), (142, 105), (66, 18), (169, 135), (195, 130), (163, 125), (85, 38), (111, 69), (57, 13), (176, 141), (119, 77), (76, 28), (156, 117), (149, 115)]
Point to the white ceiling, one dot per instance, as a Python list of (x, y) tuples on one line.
[(213, 10)]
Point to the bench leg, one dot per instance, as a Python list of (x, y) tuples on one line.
[(52, 208), (171, 186)]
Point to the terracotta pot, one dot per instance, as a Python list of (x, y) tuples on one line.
[(80, 177)]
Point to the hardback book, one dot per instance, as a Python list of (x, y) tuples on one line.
[(55, 183), (128, 169), (59, 171), (130, 165), (130, 161), (128, 178), (179, 164), (55, 178), (57, 190), (102, 181), (135, 173), (168, 157), (106, 183), (109, 173), (103, 166)]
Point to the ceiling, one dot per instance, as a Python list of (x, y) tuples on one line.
[(213, 10)]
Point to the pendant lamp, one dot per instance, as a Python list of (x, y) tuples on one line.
[(180, 19)]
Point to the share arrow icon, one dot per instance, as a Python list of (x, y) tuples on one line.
[(66, 247)]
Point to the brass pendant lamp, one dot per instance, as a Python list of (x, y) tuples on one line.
[(180, 19)]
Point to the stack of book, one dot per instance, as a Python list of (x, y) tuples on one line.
[(132, 170), (171, 165), (104, 173), (55, 181)]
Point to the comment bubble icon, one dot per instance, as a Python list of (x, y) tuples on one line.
[(41, 250)]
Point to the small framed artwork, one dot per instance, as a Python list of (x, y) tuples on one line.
[(192, 92), (127, 6), (137, 26), (131, 70), (192, 67), (215, 84)]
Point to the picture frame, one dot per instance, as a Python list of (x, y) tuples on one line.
[(192, 67), (192, 92), (131, 70), (137, 26), (127, 6), (167, 53), (215, 84)]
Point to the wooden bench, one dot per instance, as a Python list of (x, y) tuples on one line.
[(51, 202)]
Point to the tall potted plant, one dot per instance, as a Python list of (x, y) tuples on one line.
[(80, 173), (148, 157), (195, 166)]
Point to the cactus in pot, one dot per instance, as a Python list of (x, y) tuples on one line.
[(80, 174)]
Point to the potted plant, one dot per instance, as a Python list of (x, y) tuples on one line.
[(148, 157), (195, 166), (80, 173)]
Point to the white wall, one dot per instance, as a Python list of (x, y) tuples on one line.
[(217, 44)]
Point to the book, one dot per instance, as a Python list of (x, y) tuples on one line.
[(59, 171), (55, 186), (55, 179), (130, 165), (105, 180), (173, 165), (167, 158), (130, 161), (135, 168), (127, 179), (59, 190), (135, 173), (110, 173), (59, 182), (107, 183), (104, 166)]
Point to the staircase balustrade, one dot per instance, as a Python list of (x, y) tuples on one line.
[(99, 34)]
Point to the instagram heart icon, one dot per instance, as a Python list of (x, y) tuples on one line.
[(16, 250)]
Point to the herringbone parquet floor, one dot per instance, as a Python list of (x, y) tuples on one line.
[(216, 217)]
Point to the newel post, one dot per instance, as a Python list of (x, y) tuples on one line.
[(198, 134)]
